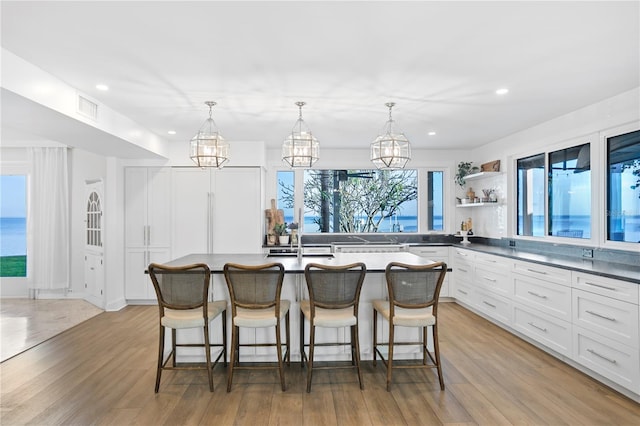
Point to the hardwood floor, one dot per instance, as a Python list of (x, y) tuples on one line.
[(103, 372), (25, 323)]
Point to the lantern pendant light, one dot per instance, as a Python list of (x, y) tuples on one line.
[(300, 148), (208, 147), (391, 149)]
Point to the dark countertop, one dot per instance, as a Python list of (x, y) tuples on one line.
[(619, 271), (375, 262)]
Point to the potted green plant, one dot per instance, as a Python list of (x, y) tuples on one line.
[(280, 229), (465, 168)]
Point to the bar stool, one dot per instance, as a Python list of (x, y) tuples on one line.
[(334, 293), (182, 293), (414, 291), (255, 303)]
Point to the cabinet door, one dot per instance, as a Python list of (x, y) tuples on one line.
[(191, 197), (135, 201), (137, 282), (237, 221), (158, 207)]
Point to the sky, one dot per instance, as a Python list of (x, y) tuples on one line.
[(13, 194)]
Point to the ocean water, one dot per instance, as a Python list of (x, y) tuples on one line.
[(13, 236), (395, 224)]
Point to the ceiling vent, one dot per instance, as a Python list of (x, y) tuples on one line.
[(87, 108)]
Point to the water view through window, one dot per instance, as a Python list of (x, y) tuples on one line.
[(623, 188), (13, 226), (355, 201)]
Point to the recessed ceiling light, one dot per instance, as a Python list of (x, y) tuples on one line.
[(102, 87), (431, 133), (172, 132), (502, 91)]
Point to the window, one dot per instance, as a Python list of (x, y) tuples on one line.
[(13, 226), (530, 184), (94, 220), (435, 201), (354, 201), (566, 204), (286, 194), (623, 187), (570, 192)]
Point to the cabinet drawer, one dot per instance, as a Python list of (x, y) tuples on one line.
[(551, 332), (621, 290), (431, 252), (494, 280), (550, 298), (495, 306), (497, 263), (547, 273), (612, 359), (610, 317), (463, 271), (462, 254), (463, 292)]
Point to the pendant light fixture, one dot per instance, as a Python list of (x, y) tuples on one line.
[(391, 149), (300, 148), (208, 147)]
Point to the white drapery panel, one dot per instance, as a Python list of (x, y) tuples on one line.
[(49, 218)]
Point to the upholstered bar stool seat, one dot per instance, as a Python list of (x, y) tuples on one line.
[(405, 317), (191, 318), (258, 318)]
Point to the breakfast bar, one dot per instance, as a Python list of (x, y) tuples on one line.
[(294, 290)]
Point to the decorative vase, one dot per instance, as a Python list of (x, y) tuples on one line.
[(284, 240)]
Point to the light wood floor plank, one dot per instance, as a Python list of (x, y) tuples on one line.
[(103, 372)]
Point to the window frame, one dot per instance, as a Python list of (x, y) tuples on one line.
[(603, 184), (422, 203), (596, 171)]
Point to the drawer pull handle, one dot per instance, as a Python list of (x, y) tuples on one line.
[(612, 361), (537, 326), (462, 291), (462, 270), (537, 272), (489, 304), (601, 286), (600, 316), (493, 280), (490, 260), (541, 296), (461, 254), (427, 251)]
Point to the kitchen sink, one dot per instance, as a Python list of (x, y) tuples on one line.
[(321, 255)]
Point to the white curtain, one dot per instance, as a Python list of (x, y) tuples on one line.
[(48, 218)]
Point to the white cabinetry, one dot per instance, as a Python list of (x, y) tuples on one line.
[(147, 226), (493, 287), (437, 254), (605, 333), (94, 278), (217, 211), (463, 288), (542, 305)]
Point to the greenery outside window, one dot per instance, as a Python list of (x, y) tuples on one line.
[(13, 226), (623, 187), (356, 201)]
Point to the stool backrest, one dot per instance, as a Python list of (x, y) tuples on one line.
[(334, 287), (414, 286)]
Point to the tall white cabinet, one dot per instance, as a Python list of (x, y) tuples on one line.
[(147, 226), (217, 211)]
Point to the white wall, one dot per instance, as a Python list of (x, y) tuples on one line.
[(586, 123)]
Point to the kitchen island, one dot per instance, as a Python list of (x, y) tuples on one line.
[(294, 289)]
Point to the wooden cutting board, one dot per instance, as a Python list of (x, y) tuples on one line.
[(273, 216)]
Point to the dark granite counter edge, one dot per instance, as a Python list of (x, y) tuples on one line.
[(616, 264), (620, 271)]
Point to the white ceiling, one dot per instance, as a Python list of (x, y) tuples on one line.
[(441, 62)]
